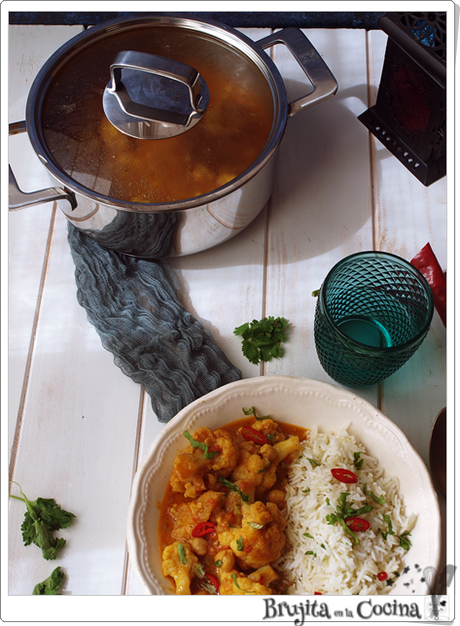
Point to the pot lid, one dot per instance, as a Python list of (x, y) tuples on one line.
[(156, 110)]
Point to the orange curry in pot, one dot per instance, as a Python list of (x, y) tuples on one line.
[(231, 135), (221, 524)]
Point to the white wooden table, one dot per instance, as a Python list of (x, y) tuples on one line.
[(78, 427)]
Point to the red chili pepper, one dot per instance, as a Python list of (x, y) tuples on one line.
[(203, 529), (357, 524), (344, 475), (318, 593), (427, 263), (251, 434), (382, 575), (213, 580)]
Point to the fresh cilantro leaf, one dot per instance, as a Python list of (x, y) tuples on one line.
[(252, 411), (199, 444), (404, 540), (378, 499), (358, 463), (310, 552), (233, 487), (182, 555), (237, 585), (51, 585), (262, 339), (307, 535), (390, 530), (42, 517), (264, 469), (239, 544), (306, 490)]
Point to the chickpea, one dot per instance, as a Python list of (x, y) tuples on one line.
[(199, 545), (278, 497)]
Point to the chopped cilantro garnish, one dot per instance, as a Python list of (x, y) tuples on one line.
[(358, 463), (264, 468), (390, 530), (308, 552), (252, 411), (344, 510), (239, 544), (181, 551), (200, 445), (378, 499), (404, 540), (233, 487), (307, 535)]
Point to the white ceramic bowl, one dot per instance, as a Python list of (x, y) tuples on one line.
[(306, 403)]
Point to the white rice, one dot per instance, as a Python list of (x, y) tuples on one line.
[(337, 566)]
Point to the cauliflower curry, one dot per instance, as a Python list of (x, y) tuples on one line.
[(221, 526)]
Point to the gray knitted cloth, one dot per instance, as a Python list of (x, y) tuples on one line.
[(154, 340)]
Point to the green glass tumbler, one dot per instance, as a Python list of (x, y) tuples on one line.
[(373, 311)]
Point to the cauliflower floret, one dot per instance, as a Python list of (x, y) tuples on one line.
[(289, 447), (178, 561), (187, 515), (234, 583), (257, 466), (260, 538), (192, 465), (270, 429)]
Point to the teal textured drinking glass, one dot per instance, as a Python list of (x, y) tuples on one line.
[(373, 311)]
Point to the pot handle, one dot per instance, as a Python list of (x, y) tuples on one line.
[(19, 199), (322, 79)]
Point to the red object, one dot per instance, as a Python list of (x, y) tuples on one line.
[(203, 529), (213, 580), (318, 593), (197, 584), (427, 263), (382, 575), (344, 475), (357, 524), (251, 434)]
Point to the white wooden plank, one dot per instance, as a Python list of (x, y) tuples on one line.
[(29, 48), (77, 440), (321, 209), (407, 216), (80, 417)]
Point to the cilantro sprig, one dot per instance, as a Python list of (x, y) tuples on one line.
[(41, 519), (262, 339), (51, 585)]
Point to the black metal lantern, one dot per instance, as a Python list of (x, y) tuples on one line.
[(409, 116)]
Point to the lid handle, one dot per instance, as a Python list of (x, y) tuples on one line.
[(152, 97)]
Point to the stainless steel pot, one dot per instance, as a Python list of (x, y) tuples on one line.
[(175, 227)]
